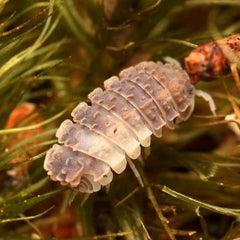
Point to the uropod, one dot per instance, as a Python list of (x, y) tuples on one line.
[(143, 100)]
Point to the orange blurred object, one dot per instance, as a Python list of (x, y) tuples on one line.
[(213, 59), (20, 116), (66, 227)]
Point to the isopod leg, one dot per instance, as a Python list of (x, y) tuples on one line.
[(207, 97), (144, 155), (146, 152), (74, 193), (233, 123), (72, 196), (171, 60), (135, 171), (234, 70)]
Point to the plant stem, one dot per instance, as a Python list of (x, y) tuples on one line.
[(154, 202)]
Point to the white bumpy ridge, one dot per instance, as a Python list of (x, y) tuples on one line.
[(140, 102)]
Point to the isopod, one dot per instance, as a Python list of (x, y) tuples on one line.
[(214, 59), (142, 101)]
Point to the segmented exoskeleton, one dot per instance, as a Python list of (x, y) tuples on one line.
[(142, 101)]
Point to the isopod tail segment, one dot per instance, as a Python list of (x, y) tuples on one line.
[(215, 59)]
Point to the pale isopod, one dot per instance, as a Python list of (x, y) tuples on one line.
[(141, 101)]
